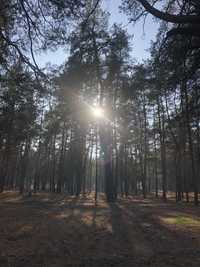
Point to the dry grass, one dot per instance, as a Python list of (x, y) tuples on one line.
[(49, 230)]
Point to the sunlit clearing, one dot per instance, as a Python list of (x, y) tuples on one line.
[(98, 112), (181, 221)]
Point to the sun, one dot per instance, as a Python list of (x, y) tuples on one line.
[(98, 112)]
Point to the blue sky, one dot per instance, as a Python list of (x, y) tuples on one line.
[(141, 41)]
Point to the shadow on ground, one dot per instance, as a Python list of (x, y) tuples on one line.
[(54, 230)]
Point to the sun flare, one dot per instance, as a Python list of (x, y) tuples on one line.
[(98, 112)]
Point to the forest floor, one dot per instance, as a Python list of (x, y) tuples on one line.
[(48, 230)]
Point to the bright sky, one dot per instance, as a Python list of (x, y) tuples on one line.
[(142, 36)]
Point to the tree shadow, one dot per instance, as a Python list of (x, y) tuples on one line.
[(151, 240), (76, 232)]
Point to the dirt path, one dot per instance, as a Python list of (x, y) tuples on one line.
[(55, 230)]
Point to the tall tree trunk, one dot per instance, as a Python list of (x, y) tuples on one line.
[(24, 165), (162, 148), (191, 150)]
